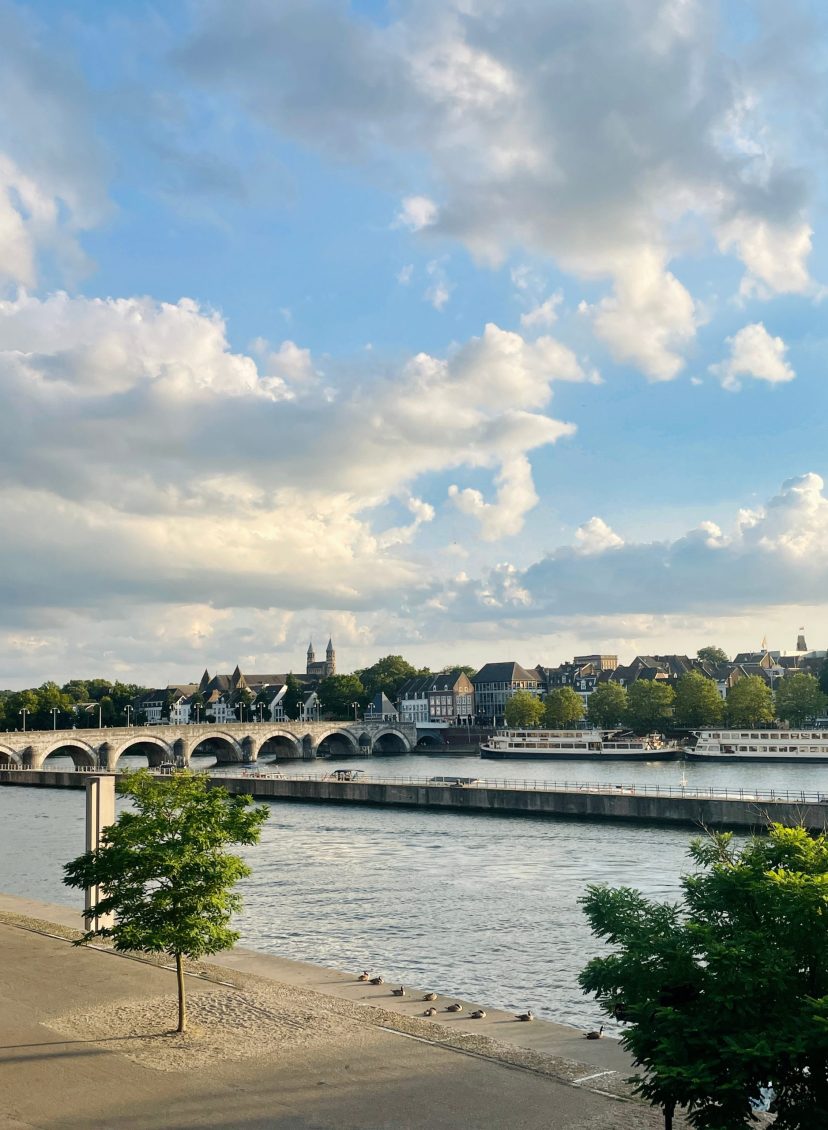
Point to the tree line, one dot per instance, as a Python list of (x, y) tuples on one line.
[(50, 706), (653, 705)]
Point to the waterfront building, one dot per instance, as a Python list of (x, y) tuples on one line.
[(437, 701), (495, 683), (380, 709)]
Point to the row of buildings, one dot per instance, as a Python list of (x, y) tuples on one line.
[(454, 698)]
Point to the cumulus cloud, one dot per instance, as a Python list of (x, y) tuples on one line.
[(754, 353), (163, 466), (577, 131), (774, 555)]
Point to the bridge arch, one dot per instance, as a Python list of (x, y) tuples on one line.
[(228, 750), (431, 741), (343, 734), (282, 743), (83, 755), (158, 751), (389, 739), (9, 759)]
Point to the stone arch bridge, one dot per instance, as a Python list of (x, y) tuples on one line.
[(236, 743)]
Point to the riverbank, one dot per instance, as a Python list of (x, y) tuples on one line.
[(276, 1043)]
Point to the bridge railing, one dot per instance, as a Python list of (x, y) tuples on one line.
[(712, 792)]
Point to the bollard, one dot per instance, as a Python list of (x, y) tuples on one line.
[(100, 813)]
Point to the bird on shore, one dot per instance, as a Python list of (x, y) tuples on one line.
[(455, 1008), (528, 1015), (377, 981), (599, 1035), (398, 992), (364, 976), (479, 1014), (430, 997), (430, 1012)]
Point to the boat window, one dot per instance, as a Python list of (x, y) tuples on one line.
[(752, 749), (754, 736), (772, 749)]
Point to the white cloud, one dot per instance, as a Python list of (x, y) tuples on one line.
[(595, 536), (589, 134), (404, 274), (754, 353), (544, 314), (416, 213), (440, 289)]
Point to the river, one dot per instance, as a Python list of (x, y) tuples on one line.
[(483, 906)]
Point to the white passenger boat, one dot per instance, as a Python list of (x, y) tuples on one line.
[(574, 745), (760, 745)]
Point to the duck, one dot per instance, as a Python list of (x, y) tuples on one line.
[(599, 1035), (455, 1007), (364, 976), (479, 1014), (430, 997), (398, 992), (430, 1012), (528, 1015), (377, 981)]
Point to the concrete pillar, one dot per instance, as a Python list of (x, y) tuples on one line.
[(250, 749), (308, 748), (106, 757), (180, 753), (100, 813)]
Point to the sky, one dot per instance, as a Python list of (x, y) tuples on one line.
[(469, 330)]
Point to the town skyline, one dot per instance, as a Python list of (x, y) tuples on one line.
[(510, 339)]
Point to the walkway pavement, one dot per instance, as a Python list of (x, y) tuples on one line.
[(371, 1078)]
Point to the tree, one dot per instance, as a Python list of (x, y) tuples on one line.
[(387, 675), (338, 693), (294, 695), (649, 705), (712, 654), (607, 705), (799, 699), (727, 991), (698, 702), (749, 702), (167, 878), (823, 676), (523, 711), (562, 708), (467, 671)]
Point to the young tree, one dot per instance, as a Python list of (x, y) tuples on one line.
[(698, 702), (523, 711), (749, 702), (607, 705), (799, 698), (167, 876), (712, 654), (562, 708), (649, 705), (727, 991)]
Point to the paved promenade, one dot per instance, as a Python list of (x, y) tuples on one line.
[(277, 1045)]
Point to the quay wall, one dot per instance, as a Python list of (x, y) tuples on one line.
[(714, 812)]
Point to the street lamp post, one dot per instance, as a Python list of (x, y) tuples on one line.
[(261, 709), (198, 713), (53, 712), (24, 712), (355, 706), (128, 711)]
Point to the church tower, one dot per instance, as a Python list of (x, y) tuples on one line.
[(311, 657), (330, 659)]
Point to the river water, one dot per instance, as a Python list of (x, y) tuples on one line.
[(484, 906)]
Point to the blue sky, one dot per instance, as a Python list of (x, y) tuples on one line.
[(248, 258)]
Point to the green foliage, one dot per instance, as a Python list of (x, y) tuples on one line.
[(728, 990), (163, 867), (712, 654), (387, 675), (562, 708), (698, 703), (467, 671), (649, 705), (607, 705), (799, 699), (338, 693), (523, 711), (749, 702), (823, 676), (294, 696)]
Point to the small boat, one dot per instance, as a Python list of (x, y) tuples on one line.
[(575, 745)]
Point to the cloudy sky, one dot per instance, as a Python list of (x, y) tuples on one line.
[(467, 329)]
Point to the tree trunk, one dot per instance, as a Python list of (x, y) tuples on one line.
[(182, 1002), (668, 1116)]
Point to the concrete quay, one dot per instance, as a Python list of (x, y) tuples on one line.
[(641, 804), (354, 1058)]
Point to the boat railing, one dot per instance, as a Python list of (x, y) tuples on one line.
[(633, 788)]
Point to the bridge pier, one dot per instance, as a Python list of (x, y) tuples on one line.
[(308, 748)]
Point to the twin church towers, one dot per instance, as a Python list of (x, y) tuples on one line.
[(323, 668)]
